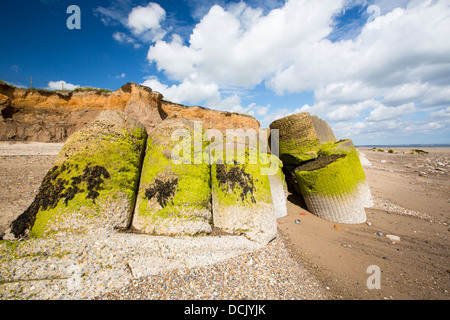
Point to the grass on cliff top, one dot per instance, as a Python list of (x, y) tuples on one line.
[(81, 89)]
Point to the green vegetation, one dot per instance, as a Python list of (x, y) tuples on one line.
[(119, 154), (81, 89), (169, 190), (417, 151), (334, 175), (295, 153)]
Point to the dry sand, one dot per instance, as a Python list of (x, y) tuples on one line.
[(412, 200)]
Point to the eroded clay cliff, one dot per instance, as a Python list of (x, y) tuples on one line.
[(52, 116)]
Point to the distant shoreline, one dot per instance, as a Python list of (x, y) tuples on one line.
[(412, 146)]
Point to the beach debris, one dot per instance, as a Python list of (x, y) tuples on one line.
[(297, 221), (329, 173), (369, 223), (334, 188), (393, 238), (417, 151), (336, 227), (380, 234)]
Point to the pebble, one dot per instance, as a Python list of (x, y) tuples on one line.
[(369, 223), (380, 234), (297, 221), (118, 266)]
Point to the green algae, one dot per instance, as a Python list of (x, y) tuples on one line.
[(295, 152), (242, 184), (118, 156), (332, 176), (337, 170)]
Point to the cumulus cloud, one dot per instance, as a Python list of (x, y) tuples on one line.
[(142, 19), (124, 38), (61, 85), (396, 65), (142, 23)]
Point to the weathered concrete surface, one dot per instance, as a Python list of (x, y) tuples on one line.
[(93, 182), (332, 187), (300, 137), (242, 199), (174, 198)]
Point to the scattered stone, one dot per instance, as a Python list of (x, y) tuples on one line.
[(380, 234), (297, 221), (393, 238), (369, 223)]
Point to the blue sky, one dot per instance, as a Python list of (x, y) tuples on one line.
[(378, 71)]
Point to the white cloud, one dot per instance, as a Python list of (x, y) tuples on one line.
[(61, 85), (398, 64), (121, 76), (145, 22), (124, 38), (382, 113)]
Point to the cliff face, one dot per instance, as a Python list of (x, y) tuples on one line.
[(210, 119), (39, 115)]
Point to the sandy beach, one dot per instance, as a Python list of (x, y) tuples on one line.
[(411, 201), (320, 259)]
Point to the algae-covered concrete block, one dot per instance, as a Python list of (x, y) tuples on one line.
[(175, 192), (332, 186), (242, 198), (346, 147), (93, 182), (300, 137)]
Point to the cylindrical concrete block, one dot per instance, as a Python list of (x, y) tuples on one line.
[(346, 147), (300, 137), (332, 188), (93, 182)]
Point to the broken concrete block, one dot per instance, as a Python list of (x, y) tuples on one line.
[(175, 193), (279, 190), (242, 199), (331, 187), (300, 137), (346, 147), (93, 182)]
